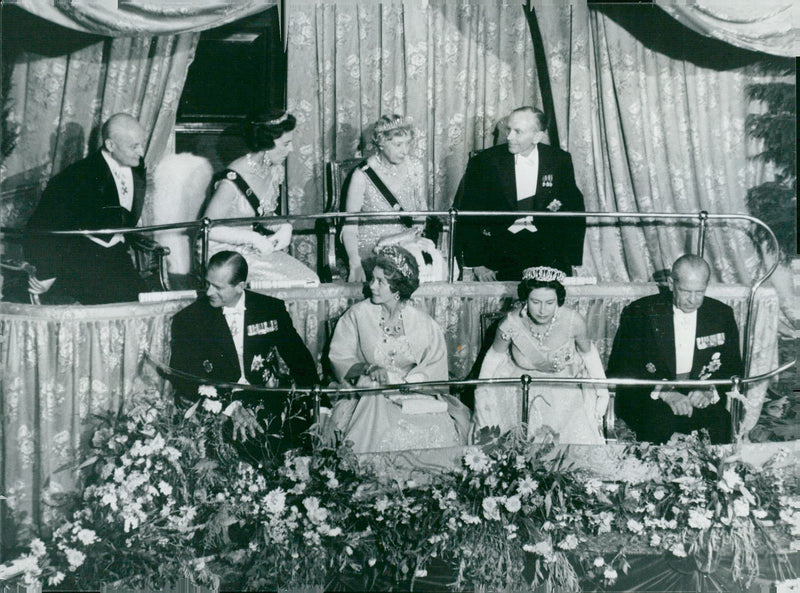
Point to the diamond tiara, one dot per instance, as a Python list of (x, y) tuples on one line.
[(272, 122), (383, 127), (544, 274), (393, 254)]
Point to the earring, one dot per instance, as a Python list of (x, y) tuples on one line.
[(397, 297)]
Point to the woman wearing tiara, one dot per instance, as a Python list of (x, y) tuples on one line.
[(385, 340), (250, 187), (543, 338), (390, 180)]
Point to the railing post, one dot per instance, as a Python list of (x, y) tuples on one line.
[(451, 246), (701, 240), (736, 411), (205, 227), (526, 389)]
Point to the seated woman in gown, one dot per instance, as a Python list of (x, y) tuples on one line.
[(385, 340), (249, 187), (390, 180), (543, 338)]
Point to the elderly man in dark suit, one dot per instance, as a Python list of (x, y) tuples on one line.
[(682, 335), (104, 190), (523, 174), (233, 335)]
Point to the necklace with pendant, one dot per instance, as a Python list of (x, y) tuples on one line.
[(540, 337), (390, 169), (391, 330)]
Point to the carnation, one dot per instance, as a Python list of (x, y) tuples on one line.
[(610, 574), (699, 519), (275, 501), (513, 504), (207, 391), (490, 510)]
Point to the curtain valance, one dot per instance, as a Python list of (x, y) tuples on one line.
[(769, 26), (134, 18)]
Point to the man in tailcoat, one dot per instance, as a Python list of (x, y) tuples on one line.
[(104, 190), (525, 175), (678, 335), (233, 335)]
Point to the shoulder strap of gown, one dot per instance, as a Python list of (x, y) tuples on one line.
[(240, 183)]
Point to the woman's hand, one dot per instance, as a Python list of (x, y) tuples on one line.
[(377, 374), (264, 245), (282, 236), (356, 274)]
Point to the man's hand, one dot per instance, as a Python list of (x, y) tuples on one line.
[(702, 398), (680, 404), (245, 425), (484, 274)]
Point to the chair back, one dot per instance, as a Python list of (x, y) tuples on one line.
[(331, 256), (181, 184)]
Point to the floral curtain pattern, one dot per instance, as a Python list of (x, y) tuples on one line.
[(649, 133), (60, 101), (64, 364), (136, 17), (772, 26), (456, 68)]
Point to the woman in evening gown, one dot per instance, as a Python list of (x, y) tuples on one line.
[(384, 340), (543, 338), (250, 187), (403, 176)]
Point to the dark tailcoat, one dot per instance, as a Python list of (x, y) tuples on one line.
[(644, 348), (84, 196), (489, 183), (202, 345)]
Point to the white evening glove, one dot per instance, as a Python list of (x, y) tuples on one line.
[(594, 366)]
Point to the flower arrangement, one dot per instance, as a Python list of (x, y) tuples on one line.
[(166, 496)]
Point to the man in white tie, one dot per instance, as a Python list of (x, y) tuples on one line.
[(678, 335), (233, 335), (527, 175), (104, 190)]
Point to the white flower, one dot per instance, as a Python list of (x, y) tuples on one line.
[(212, 405), (165, 488), (56, 578), (470, 519), (372, 561), (741, 508), (599, 561), (333, 483), (635, 526), (542, 548), (569, 543), (490, 510), (86, 536), (207, 391), (610, 574), (258, 363), (699, 519), (678, 550), (75, 558), (476, 460), (38, 548), (759, 513), (592, 486), (382, 504), (275, 501), (420, 572), (655, 540), (730, 481), (527, 485), (513, 504), (659, 493)]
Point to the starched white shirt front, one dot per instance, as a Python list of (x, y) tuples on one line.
[(685, 325), (234, 316), (526, 171)]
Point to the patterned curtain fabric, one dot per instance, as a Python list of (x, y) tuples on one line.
[(63, 364), (142, 17), (456, 68), (60, 101), (650, 133), (771, 26)]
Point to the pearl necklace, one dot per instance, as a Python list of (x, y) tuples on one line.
[(259, 169), (540, 337), (390, 169)]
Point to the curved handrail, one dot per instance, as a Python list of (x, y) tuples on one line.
[(454, 215)]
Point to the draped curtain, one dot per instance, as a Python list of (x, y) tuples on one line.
[(456, 68), (771, 26), (130, 18), (650, 133)]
